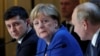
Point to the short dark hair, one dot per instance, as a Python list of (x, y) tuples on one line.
[(16, 11)]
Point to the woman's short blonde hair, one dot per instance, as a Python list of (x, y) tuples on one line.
[(46, 9)]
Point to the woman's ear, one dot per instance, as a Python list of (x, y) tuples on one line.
[(56, 24)]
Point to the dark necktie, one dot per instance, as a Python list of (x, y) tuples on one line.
[(18, 46)]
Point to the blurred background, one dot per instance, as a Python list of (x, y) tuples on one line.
[(9, 49)]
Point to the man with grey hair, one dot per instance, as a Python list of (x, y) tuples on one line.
[(86, 19)]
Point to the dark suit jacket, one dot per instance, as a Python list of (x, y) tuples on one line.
[(83, 44), (62, 44), (96, 49), (28, 45)]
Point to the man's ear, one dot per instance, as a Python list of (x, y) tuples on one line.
[(85, 24)]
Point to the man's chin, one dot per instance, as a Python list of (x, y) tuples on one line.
[(83, 39), (16, 37)]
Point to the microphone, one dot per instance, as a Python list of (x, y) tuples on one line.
[(60, 46), (12, 40)]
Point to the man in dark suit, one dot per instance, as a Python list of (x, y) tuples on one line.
[(17, 23), (67, 7), (86, 19)]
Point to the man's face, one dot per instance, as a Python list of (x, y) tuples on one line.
[(67, 7), (16, 27), (79, 26)]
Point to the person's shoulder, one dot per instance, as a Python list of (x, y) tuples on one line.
[(63, 34), (32, 35), (30, 38), (62, 31), (60, 34), (62, 28)]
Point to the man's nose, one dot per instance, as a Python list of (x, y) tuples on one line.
[(12, 28)]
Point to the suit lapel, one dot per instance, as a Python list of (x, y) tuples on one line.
[(91, 50), (98, 44), (19, 46), (98, 40)]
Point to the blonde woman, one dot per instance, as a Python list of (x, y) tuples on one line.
[(55, 40)]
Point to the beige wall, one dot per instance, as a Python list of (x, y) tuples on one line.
[(82, 1), (54, 2), (1, 20), (5, 4)]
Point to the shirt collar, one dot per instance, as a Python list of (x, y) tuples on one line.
[(20, 40), (95, 37)]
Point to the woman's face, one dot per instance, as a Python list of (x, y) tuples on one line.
[(44, 26)]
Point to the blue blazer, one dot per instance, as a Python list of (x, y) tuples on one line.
[(62, 44), (28, 45)]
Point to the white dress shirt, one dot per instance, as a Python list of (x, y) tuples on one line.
[(94, 39)]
